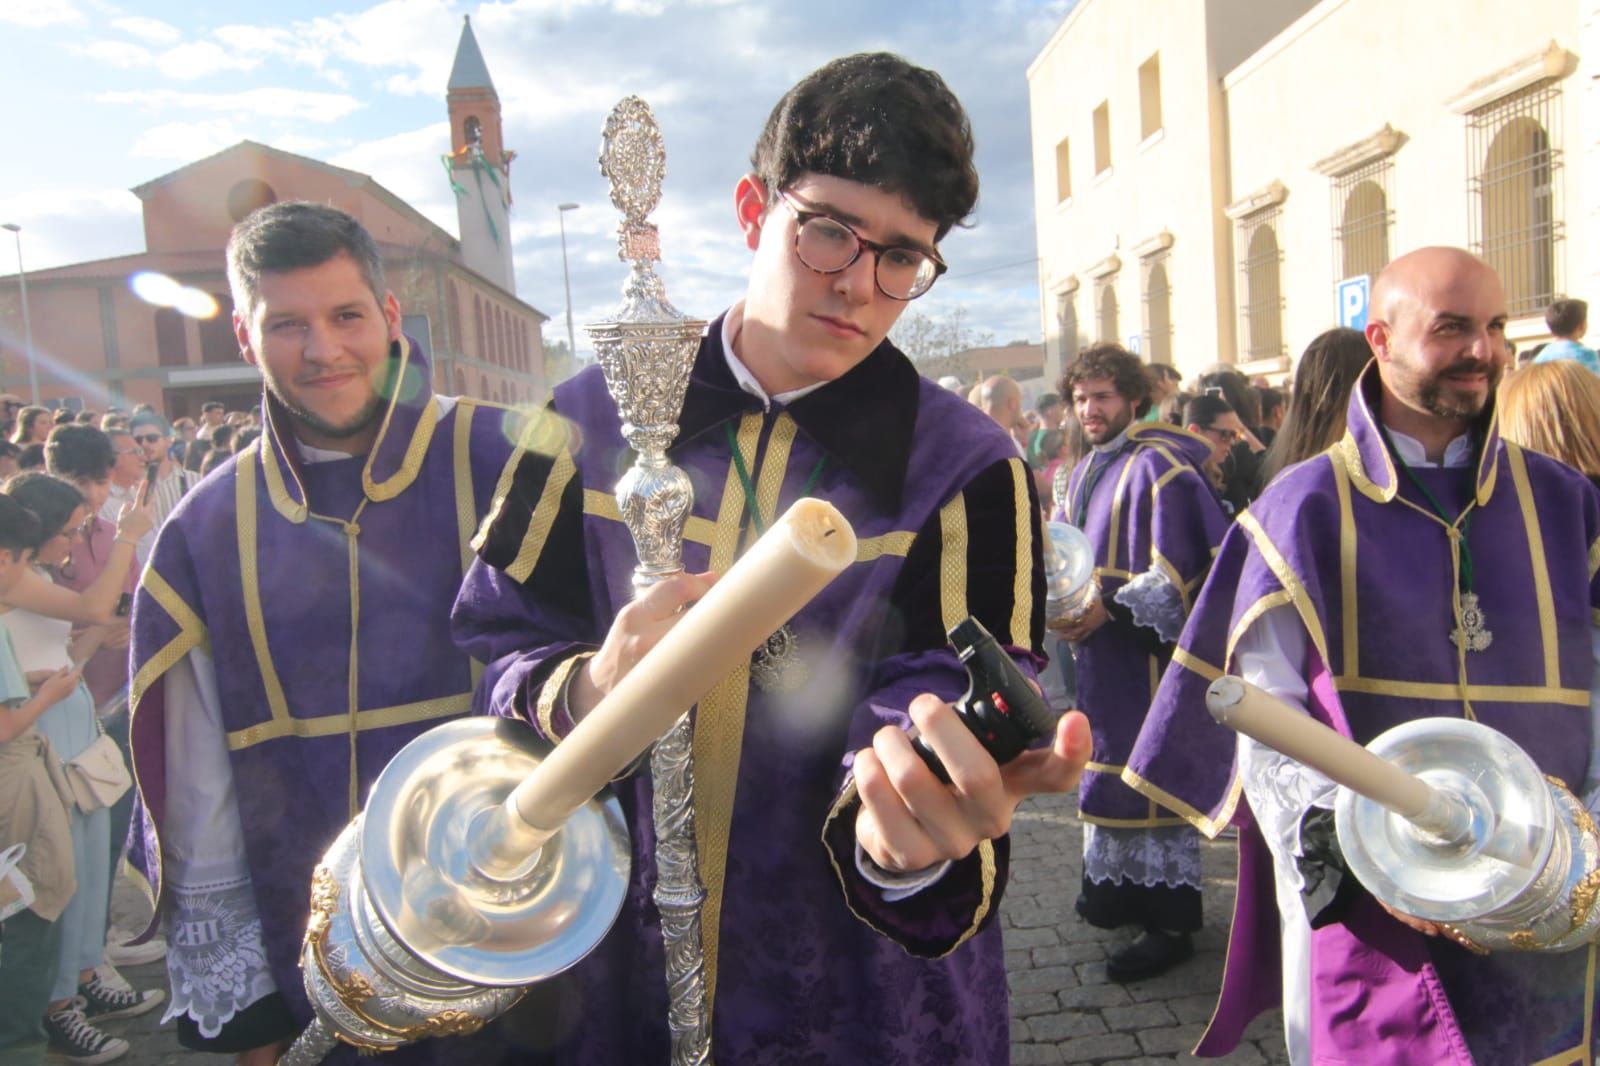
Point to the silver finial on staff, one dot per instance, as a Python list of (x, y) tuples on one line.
[(646, 350)]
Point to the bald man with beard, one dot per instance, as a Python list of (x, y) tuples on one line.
[(1339, 592)]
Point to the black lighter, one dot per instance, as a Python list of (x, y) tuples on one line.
[(1001, 708)]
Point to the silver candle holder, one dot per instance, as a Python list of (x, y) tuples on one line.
[(646, 350)]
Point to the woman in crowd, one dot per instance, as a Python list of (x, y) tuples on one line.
[(1555, 408), (1322, 382), (33, 426), (84, 990), (34, 805)]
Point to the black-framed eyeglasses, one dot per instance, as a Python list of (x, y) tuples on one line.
[(1225, 436), (828, 246)]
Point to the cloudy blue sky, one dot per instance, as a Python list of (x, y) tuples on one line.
[(101, 96)]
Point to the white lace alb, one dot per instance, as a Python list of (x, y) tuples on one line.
[(1156, 603), (215, 959), (1161, 855)]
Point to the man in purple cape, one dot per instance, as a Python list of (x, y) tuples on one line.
[(1420, 567), (1142, 497), (850, 903), (291, 632)]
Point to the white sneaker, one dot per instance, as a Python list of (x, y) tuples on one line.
[(121, 953)]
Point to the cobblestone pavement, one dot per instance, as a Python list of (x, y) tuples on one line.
[(1063, 1009)]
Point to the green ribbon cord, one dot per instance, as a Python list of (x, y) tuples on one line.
[(1444, 516), (1091, 478), (750, 486), (479, 168)]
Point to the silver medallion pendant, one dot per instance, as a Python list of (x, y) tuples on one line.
[(777, 666), (1471, 633)]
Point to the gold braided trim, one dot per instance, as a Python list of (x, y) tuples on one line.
[(1027, 519), (1594, 558), (416, 450), (466, 497), (719, 726), (953, 562), (1347, 571), (1541, 572), (337, 724), (544, 518), (988, 867), (1189, 661), (1287, 578), (550, 693), (277, 489), (1421, 690), (774, 465), (250, 578), (896, 543), (546, 433), (466, 501), (1186, 812)]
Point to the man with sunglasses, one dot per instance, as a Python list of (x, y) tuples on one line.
[(154, 437), (850, 894)]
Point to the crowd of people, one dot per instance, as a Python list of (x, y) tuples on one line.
[(367, 559)]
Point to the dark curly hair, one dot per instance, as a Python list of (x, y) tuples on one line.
[(51, 500), (1112, 361), (80, 453), (879, 120)]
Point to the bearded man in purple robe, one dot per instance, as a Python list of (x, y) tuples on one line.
[(1144, 500), (291, 631), (1420, 567), (851, 895)]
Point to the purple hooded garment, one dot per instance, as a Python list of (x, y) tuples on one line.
[(1371, 581), (805, 961), (1148, 507), (246, 568)]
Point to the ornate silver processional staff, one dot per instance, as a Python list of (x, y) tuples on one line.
[(646, 351)]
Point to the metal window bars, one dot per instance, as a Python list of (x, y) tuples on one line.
[(1515, 220)]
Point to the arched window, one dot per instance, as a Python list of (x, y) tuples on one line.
[(480, 333), (1106, 299), (1260, 289), (472, 130), (452, 312), (1364, 230), (483, 388), (461, 382), (1517, 204), (1157, 310)]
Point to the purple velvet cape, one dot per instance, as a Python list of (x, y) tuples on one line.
[(1370, 579), (805, 961), (1151, 507), (241, 570)]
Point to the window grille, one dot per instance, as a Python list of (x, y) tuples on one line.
[(1362, 219), (1260, 286), (1157, 308), (1514, 157)]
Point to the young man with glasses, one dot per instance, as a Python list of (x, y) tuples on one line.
[(1142, 499), (851, 895)]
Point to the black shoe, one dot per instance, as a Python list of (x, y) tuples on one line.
[(1151, 954), (74, 1039), (107, 996)]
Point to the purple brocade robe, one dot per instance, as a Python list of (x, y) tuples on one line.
[(805, 962), (1149, 507), (1371, 581), (248, 568)]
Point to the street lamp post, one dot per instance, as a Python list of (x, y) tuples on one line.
[(566, 278), (27, 325)]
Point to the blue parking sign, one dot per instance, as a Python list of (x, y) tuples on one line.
[(1353, 296)]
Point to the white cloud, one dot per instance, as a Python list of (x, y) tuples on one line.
[(148, 29), (70, 225), (199, 59), (123, 55), (37, 14), (186, 141), (407, 164), (267, 102)]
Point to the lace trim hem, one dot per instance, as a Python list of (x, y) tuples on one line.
[(216, 963), (1156, 604)]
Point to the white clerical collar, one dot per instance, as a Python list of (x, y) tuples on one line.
[(1115, 442), (731, 323), (1457, 453)]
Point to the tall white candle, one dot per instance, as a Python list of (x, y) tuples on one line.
[(1264, 718), (793, 561)]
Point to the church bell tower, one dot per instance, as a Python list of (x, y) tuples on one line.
[(480, 166)]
